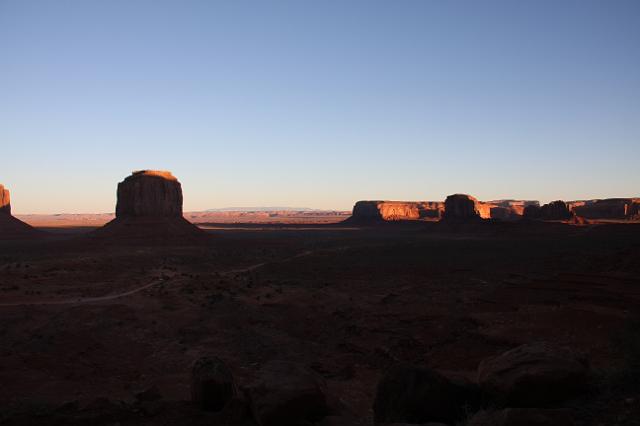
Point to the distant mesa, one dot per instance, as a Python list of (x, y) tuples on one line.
[(149, 206), (610, 208), (11, 227), (380, 211)]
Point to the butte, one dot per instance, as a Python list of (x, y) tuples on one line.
[(149, 208), (10, 227)]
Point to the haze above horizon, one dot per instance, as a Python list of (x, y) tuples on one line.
[(318, 104)]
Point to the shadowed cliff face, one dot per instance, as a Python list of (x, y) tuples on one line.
[(610, 208), (461, 207), (5, 201), (149, 193), (149, 208)]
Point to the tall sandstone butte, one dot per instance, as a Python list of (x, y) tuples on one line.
[(5, 200), (461, 207), (11, 227), (149, 193), (149, 207)]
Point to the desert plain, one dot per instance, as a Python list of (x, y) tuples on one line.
[(102, 325)]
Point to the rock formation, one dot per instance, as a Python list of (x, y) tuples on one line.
[(533, 375), (412, 394), (461, 207), (149, 193), (504, 209), (286, 394), (609, 208), (11, 227), (555, 210), (212, 384), (149, 206), (378, 211), (5, 201)]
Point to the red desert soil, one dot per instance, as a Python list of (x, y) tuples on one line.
[(81, 320)]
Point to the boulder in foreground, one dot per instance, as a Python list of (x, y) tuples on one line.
[(410, 394), (533, 375), (286, 394), (212, 384)]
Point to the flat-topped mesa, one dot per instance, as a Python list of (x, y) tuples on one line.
[(149, 193), (376, 210), (461, 208), (5, 201), (505, 209), (609, 208)]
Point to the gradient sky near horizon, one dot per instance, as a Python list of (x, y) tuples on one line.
[(318, 103)]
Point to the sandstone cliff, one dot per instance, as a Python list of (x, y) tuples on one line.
[(370, 211), (149, 207), (149, 193), (5, 201), (609, 208), (11, 227), (381, 211), (461, 207)]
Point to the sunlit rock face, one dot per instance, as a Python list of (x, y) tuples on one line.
[(396, 210), (5, 201), (149, 193), (11, 227), (505, 209), (610, 208), (462, 207)]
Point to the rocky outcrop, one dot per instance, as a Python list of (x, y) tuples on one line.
[(11, 227), (5, 201), (212, 384), (555, 210), (461, 207), (149, 193), (533, 375), (379, 211), (149, 207), (286, 394), (609, 208), (505, 209), (411, 394), (386, 211)]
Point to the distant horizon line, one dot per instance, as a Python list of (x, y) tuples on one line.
[(264, 209)]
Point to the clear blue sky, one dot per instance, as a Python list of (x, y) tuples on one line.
[(318, 103)]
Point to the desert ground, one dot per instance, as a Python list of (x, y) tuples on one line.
[(89, 325)]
